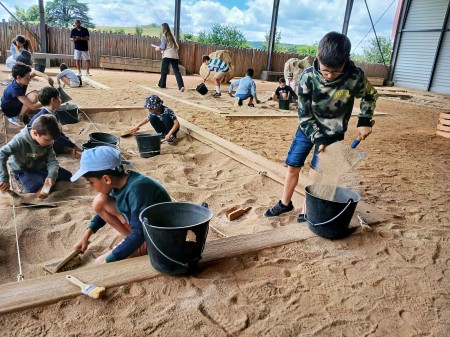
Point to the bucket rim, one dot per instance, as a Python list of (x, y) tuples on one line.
[(211, 214), (143, 135), (357, 197)]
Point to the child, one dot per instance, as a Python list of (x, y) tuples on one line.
[(24, 57), (284, 92), (17, 45), (68, 77), (16, 104), (219, 67), (162, 119), (122, 196), (49, 98), (31, 156), (246, 88), (291, 82), (327, 91)]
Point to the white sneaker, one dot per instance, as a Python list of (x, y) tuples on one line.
[(79, 74), (182, 89), (87, 74)]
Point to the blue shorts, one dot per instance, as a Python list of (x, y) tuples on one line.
[(300, 148)]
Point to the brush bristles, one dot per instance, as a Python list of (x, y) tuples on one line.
[(97, 292)]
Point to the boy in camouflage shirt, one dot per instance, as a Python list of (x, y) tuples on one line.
[(326, 94)]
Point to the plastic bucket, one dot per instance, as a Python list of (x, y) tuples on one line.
[(39, 67), (330, 219), (283, 104), (149, 145), (202, 89), (103, 138), (67, 114), (90, 145), (175, 233)]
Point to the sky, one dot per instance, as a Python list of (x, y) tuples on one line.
[(300, 21)]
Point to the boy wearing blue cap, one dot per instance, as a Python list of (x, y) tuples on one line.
[(162, 119), (122, 196)]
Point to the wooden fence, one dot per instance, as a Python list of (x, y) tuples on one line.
[(126, 45)]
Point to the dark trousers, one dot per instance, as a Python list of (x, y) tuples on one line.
[(33, 180), (165, 71), (163, 126)]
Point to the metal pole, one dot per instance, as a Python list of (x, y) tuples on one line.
[(273, 29), (42, 28), (404, 10), (348, 12), (176, 28), (374, 31)]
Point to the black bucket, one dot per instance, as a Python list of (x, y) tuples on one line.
[(283, 104), (103, 138), (90, 145), (149, 145), (175, 233), (63, 95), (39, 67), (330, 219), (202, 89), (67, 114)]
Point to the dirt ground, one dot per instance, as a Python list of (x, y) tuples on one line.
[(392, 281)]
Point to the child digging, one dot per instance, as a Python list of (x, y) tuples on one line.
[(122, 196), (246, 88), (31, 157), (49, 98), (327, 91), (68, 77), (162, 118)]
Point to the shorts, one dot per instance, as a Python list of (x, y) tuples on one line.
[(300, 148), (219, 75), (141, 251), (81, 54), (74, 84), (12, 109)]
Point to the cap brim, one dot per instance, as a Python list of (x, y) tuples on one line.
[(78, 175)]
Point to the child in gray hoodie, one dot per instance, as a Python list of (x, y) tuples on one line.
[(31, 157)]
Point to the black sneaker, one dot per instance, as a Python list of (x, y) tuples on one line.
[(279, 209), (301, 218)]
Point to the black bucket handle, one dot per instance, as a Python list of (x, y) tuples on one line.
[(328, 221)]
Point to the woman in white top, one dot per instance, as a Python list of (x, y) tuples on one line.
[(169, 49)]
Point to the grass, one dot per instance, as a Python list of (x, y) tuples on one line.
[(146, 30)]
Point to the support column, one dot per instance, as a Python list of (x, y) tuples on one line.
[(42, 27), (176, 28), (348, 12), (273, 29)]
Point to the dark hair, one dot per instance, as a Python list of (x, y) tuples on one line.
[(47, 125), (205, 58), (21, 39), (250, 72), (46, 95), (166, 32), (334, 50), (113, 173), (281, 80), (63, 66), (20, 69)]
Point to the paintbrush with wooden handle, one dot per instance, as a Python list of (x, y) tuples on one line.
[(87, 289)]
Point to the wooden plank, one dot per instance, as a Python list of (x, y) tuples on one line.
[(46, 290), (444, 121), (95, 84), (443, 128), (376, 81), (97, 109), (267, 167), (443, 134), (444, 115)]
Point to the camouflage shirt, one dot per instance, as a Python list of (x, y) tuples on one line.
[(324, 108)]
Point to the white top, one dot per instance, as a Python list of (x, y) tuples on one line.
[(70, 75)]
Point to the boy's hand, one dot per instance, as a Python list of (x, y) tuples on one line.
[(83, 243), (49, 181), (364, 131), (76, 152), (4, 187), (321, 148), (134, 130)]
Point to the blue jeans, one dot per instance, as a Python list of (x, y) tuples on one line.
[(243, 96), (33, 180), (163, 126), (300, 148), (165, 70)]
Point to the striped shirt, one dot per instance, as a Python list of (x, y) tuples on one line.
[(218, 65)]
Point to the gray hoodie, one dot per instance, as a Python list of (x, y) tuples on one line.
[(24, 153)]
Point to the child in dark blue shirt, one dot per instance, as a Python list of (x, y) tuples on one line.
[(162, 118), (122, 196)]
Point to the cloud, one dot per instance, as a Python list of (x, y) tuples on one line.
[(300, 21)]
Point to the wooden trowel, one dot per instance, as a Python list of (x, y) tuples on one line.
[(29, 199), (53, 268)]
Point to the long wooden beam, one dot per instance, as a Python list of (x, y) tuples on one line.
[(267, 167), (96, 109), (46, 290)]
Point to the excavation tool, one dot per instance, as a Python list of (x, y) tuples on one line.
[(87, 289), (56, 266)]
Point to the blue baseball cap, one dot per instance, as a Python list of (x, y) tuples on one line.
[(99, 159)]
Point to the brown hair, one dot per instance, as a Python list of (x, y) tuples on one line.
[(47, 125), (170, 40)]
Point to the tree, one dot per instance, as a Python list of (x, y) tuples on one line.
[(62, 13), (30, 15), (278, 47), (307, 50), (371, 51), (139, 31), (224, 35)]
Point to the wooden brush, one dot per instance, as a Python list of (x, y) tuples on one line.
[(55, 267), (87, 289)]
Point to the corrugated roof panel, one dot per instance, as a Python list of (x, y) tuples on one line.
[(441, 79), (428, 14)]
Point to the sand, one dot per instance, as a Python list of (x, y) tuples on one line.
[(392, 281)]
